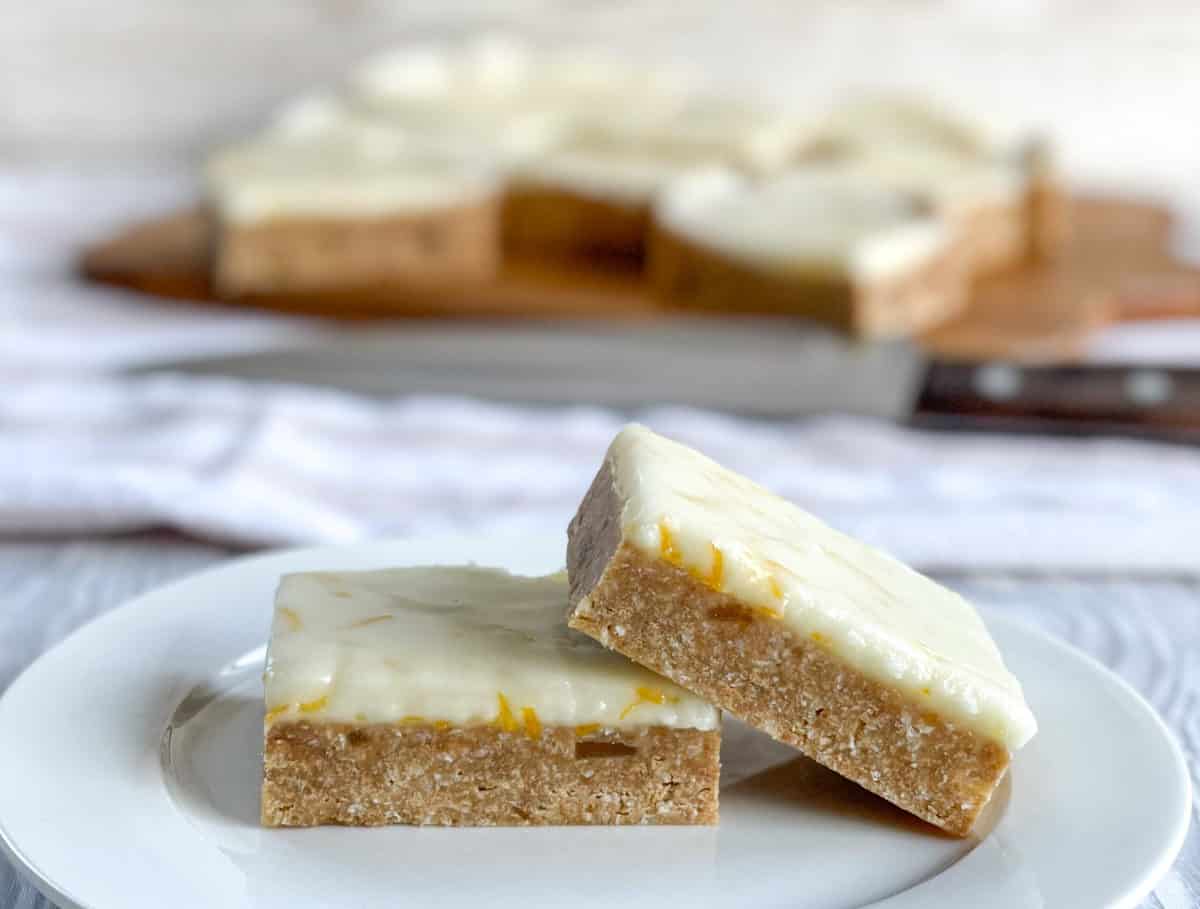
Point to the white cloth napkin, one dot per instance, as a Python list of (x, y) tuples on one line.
[(51, 322), (82, 450), (273, 464)]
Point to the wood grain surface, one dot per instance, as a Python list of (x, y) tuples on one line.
[(1116, 265)]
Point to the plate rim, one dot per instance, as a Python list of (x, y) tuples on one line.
[(25, 867)]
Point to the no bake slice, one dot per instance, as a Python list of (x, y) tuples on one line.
[(818, 243), (826, 644), (348, 206), (457, 696), (995, 182)]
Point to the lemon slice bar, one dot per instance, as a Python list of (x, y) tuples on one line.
[(349, 206), (815, 242), (458, 696), (824, 643), (995, 181)]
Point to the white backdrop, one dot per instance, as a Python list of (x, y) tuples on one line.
[(1119, 82)]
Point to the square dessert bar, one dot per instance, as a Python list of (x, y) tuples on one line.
[(995, 183), (817, 243), (824, 643), (458, 696), (350, 208)]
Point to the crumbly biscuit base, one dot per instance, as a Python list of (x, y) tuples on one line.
[(312, 254), (373, 774), (541, 220), (691, 275), (762, 672)]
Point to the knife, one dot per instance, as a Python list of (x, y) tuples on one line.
[(760, 368)]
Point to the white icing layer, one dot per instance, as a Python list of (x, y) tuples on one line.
[(879, 616), (951, 182), (808, 221), (883, 120), (498, 70), (492, 67), (501, 95), (358, 169), (701, 129), (915, 146), (631, 176), (450, 644), (630, 151)]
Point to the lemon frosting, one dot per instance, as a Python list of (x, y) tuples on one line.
[(625, 175), (743, 136), (498, 94), (880, 617), (633, 150), (951, 182), (898, 119), (359, 169), (815, 220), (911, 144), (458, 645)]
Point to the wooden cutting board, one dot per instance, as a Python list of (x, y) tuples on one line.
[(1115, 266)]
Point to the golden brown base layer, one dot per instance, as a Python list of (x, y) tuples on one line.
[(690, 275), (790, 687), (304, 254), (368, 775), (549, 221)]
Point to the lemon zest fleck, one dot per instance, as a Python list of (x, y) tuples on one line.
[(360, 717), (314, 706), (412, 719), (647, 695), (293, 619), (818, 637), (504, 718), (276, 711), (653, 695), (716, 572), (441, 725), (586, 729), (776, 590), (666, 545), (925, 691), (766, 612), (533, 726)]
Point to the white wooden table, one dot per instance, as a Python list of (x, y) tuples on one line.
[(1146, 629)]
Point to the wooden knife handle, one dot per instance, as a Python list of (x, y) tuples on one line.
[(1123, 400)]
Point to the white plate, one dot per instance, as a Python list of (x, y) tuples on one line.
[(130, 764)]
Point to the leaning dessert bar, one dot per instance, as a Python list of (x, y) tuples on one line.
[(824, 643), (457, 696)]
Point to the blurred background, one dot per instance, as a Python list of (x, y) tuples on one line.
[(139, 82), (1041, 458)]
